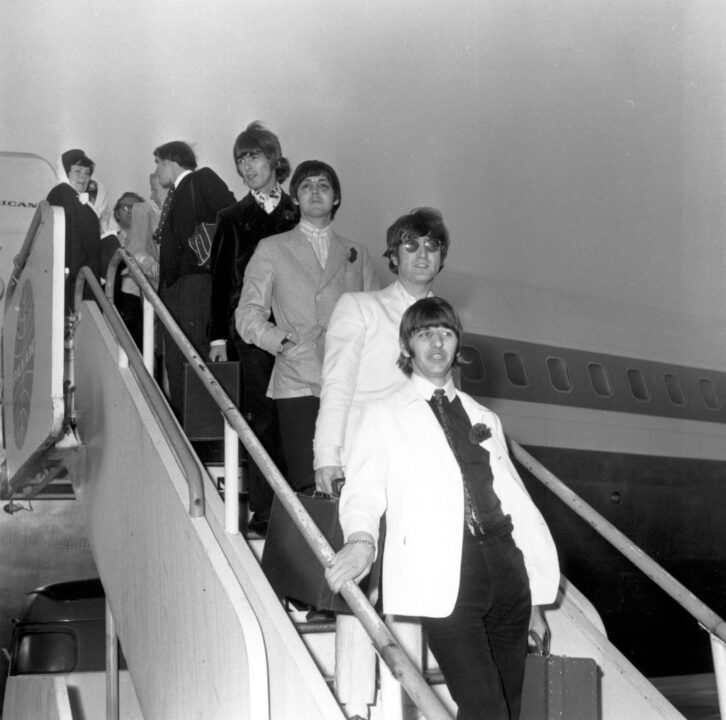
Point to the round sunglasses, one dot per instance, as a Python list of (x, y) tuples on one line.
[(432, 245)]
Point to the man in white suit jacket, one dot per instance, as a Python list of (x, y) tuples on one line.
[(361, 347), (291, 285), (476, 571)]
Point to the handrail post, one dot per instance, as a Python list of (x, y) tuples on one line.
[(231, 479), (112, 679), (718, 650), (148, 333)]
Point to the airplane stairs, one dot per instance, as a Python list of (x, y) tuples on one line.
[(202, 631)]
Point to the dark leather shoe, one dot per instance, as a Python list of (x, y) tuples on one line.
[(258, 525)]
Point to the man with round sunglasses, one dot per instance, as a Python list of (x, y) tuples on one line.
[(361, 349)]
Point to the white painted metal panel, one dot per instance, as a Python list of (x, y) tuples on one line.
[(32, 394), (30, 697)]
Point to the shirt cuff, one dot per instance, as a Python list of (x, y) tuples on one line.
[(327, 457)]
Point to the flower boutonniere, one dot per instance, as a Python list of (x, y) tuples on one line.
[(479, 433), (352, 255)]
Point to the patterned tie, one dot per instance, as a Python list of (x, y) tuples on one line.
[(164, 213), (268, 201), (441, 406)]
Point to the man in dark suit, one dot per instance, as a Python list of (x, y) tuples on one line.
[(194, 196), (266, 210)]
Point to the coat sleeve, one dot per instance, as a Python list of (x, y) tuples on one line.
[(222, 270), (344, 342), (363, 498), (252, 317)]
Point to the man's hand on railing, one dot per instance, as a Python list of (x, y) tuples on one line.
[(352, 562)]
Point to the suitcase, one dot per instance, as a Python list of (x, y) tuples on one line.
[(202, 419), (290, 564), (560, 688)]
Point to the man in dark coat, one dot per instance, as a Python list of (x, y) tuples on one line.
[(266, 210), (195, 196)]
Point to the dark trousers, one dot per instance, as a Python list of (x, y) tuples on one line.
[(260, 412), (297, 429), (481, 647), (131, 310), (188, 301)]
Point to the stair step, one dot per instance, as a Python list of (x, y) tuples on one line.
[(311, 627)]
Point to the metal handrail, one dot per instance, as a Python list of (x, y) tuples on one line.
[(707, 618), (388, 648), (159, 406)]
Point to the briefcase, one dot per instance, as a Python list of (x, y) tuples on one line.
[(290, 564), (560, 688), (202, 418)]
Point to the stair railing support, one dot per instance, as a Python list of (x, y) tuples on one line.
[(718, 650)]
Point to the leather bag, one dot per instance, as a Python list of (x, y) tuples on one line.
[(290, 564)]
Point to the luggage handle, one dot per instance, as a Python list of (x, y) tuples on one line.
[(337, 486), (537, 645)]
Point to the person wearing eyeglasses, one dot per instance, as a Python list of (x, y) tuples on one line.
[(361, 349), (290, 287)]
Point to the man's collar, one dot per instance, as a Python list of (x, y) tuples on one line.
[(406, 295), (309, 230), (425, 388), (268, 201), (180, 177)]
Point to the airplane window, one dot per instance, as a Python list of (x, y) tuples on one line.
[(710, 396), (516, 372), (675, 389), (559, 374), (472, 364), (600, 380), (638, 385)]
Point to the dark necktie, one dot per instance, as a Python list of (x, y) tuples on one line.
[(164, 213), (442, 407)]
